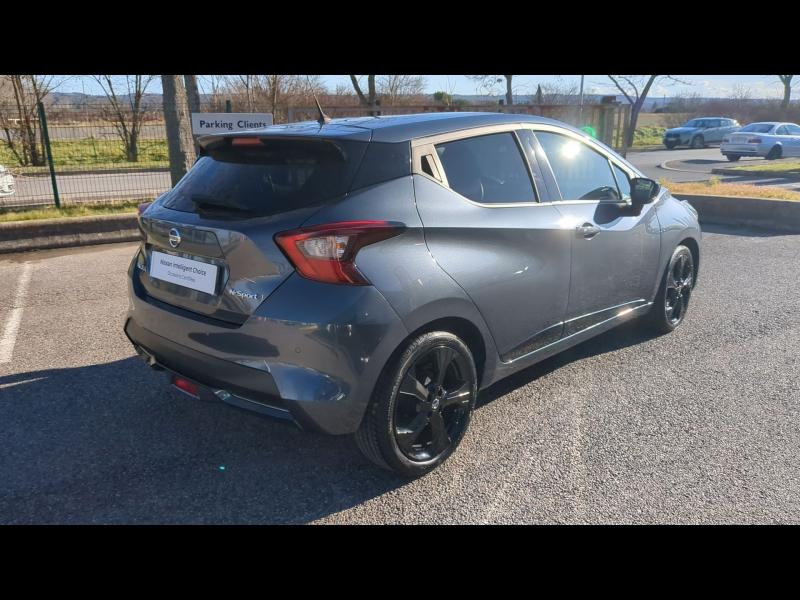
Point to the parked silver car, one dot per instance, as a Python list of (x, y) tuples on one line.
[(699, 132), (769, 139), (6, 182)]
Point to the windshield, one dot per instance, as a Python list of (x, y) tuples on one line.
[(267, 178), (757, 128)]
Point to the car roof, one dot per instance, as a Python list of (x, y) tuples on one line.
[(767, 123), (391, 128)]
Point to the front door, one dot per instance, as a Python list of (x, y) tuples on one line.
[(615, 248)]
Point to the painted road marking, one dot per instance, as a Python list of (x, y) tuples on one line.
[(9, 337)]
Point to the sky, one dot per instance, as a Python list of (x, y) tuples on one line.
[(760, 86)]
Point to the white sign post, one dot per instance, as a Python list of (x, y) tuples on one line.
[(205, 123)]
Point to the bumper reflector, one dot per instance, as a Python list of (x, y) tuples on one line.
[(186, 386)]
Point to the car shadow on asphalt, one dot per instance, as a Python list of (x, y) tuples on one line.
[(112, 443), (623, 336)]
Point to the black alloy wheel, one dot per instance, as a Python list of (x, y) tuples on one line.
[(421, 406), (672, 300), (433, 404)]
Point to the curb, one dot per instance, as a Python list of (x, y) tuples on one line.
[(781, 215), (754, 174), (45, 234)]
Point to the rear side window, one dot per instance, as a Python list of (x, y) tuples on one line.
[(581, 173), (489, 169), (267, 178), (793, 129), (757, 128)]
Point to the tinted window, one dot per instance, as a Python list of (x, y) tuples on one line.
[(623, 182), (757, 128), (488, 169), (781, 130), (793, 129), (268, 177), (581, 173)]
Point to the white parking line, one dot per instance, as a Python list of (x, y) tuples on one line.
[(9, 337)]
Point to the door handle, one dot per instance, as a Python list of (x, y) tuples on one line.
[(588, 230)]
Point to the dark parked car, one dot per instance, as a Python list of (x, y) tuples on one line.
[(371, 275), (697, 133)]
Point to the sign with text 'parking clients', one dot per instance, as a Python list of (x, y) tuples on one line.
[(205, 123)]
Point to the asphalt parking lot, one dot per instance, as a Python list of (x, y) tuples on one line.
[(700, 426)]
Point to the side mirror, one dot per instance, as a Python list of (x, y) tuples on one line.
[(643, 190)]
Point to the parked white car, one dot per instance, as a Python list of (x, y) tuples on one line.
[(769, 139), (6, 182)]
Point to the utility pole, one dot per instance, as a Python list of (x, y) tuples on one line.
[(179, 129), (580, 109)]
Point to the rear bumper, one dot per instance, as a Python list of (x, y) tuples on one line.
[(311, 352)]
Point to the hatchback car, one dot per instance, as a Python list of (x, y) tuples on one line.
[(369, 276), (769, 139), (697, 133)]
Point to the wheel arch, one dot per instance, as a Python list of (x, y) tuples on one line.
[(465, 329), (694, 248)]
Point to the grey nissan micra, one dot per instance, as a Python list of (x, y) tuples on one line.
[(370, 275)]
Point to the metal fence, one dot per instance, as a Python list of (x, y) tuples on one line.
[(90, 161), (93, 158)]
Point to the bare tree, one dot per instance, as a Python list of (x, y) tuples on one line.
[(373, 96), (786, 80), (126, 112), (393, 87), (488, 84), (192, 92), (20, 122), (635, 89), (179, 132)]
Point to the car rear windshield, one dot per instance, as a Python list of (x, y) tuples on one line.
[(757, 128), (266, 177)]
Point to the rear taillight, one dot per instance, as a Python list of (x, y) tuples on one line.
[(754, 140), (327, 253)]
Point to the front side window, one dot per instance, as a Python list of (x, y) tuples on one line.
[(623, 182), (489, 169), (581, 173)]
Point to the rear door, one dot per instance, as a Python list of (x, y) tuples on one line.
[(209, 242), (615, 250), (789, 135), (485, 225)]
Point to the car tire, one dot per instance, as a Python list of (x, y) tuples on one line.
[(774, 153), (670, 146), (733, 157), (674, 292), (698, 142), (419, 413)]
